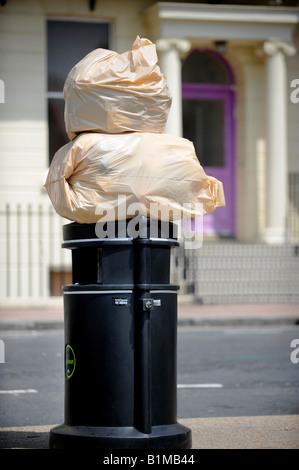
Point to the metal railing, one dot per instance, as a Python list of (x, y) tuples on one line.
[(31, 257)]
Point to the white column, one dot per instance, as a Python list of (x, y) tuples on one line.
[(277, 157), (169, 59)]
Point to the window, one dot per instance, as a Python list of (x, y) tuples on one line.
[(204, 126), (205, 67), (68, 42)]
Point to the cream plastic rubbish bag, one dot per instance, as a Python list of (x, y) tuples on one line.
[(119, 160)]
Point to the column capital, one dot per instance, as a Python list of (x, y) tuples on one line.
[(181, 44), (272, 47)]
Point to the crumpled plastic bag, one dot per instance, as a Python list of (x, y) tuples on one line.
[(119, 161), (116, 93)]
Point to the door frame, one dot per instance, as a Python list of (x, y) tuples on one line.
[(225, 92)]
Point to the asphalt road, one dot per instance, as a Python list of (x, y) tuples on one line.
[(221, 372)]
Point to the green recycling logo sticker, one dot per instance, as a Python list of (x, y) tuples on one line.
[(70, 361)]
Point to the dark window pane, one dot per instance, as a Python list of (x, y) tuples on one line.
[(57, 133), (204, 126), (69, 42), (204, 67)]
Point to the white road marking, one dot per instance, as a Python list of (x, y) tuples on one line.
[(199, 386), (17, 392)]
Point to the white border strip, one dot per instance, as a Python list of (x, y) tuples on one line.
[(153, 291), (92, 241), (116, 292)]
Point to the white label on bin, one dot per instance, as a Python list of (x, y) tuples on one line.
[(121, 301)]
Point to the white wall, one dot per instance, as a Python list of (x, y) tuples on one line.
[(23, 119)]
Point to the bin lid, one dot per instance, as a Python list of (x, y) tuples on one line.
[(144, 228)]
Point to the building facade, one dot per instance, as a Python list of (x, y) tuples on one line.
[(233, 71)]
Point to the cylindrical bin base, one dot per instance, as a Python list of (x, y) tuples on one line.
[(172, 436), (120, 347)]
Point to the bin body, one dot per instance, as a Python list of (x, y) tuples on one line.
[(120, 343)]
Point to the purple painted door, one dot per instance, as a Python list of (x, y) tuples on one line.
[(208, 117)]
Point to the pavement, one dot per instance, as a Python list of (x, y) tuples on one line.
[(242, 432), (51, 317)]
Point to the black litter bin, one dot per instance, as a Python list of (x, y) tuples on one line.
[(120, 318)]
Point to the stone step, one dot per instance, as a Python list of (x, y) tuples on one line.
[(207, 274), (247, 299), (240, 273)]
